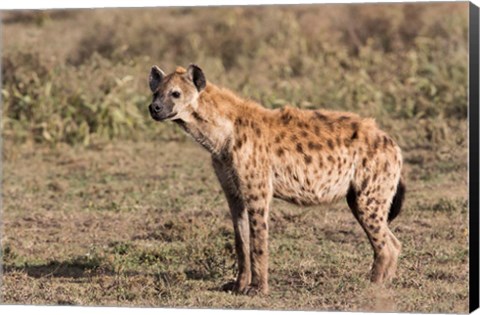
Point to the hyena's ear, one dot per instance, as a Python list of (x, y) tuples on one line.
[(155, 77), (196, 75)]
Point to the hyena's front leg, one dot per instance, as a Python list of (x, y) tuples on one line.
[(258, 249), (257, 203), (230, 186)]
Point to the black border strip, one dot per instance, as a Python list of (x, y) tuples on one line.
[(474, 158)]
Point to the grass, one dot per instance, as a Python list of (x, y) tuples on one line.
[(146, 224), (102, 206)]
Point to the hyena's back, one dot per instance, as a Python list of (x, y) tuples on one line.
[(317, 156)]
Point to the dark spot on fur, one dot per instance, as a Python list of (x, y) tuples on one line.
[(264, 225), (238, 144), (293, 137), (373, 216), (279, 151), (308, 159), (316, 130), (286, 117), (258, 132), (385, 141), (330, 144), (198, 117), (354, 135), (299, 148), (385, 168), (376, 143), (320, 116), (364, 184), (314, 146), (304, 133), (331, 159)]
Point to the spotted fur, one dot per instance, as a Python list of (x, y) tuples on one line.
[(306, 157)]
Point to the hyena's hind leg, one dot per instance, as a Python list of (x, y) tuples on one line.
[(372, 209)]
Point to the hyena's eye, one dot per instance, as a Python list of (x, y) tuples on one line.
[(176, 94)]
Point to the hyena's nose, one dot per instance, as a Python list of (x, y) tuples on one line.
[(155, 107)]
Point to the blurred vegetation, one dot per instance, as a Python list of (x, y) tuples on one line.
[(79, 76)]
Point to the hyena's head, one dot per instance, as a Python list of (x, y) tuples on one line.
[(175, 95)]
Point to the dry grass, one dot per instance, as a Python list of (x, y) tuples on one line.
[(146, 224), (101, 206)]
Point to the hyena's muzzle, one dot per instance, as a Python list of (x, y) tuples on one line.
[(160, 111)]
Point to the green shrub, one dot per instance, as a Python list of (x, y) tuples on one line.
[(404, 64)]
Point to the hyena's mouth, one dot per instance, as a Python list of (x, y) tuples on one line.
[(159, 116), (165, 118)]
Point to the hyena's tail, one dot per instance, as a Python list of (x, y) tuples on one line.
[(397, 201)]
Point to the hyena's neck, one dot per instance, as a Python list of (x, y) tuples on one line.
[(211, 122)]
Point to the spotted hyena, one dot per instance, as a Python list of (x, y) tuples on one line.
[(306, 157)]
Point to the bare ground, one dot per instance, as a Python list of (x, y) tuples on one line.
[(146, 224)]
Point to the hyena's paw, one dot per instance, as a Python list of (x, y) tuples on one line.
[(235, 287)]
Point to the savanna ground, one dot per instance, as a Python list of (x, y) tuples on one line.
[(101, 206)]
